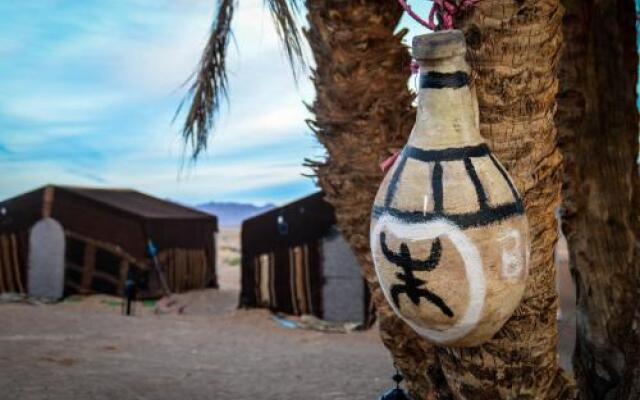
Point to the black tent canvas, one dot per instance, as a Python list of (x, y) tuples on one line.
[(106, 236), (295, 261)]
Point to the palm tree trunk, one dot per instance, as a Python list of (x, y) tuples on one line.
[(598, 125), (514, 47), (362, 112), (363, 109)]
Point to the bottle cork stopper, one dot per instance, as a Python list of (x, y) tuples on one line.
[(438, 45)]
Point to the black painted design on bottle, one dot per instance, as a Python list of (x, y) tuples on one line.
[(444, 80), (411, 286), (486, 213), (437, 188)]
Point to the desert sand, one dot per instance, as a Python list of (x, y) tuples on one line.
[(83, 348)]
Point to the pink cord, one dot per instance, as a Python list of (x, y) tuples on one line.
[(415, 16), (447, 10), (388, 163), (415, 67)]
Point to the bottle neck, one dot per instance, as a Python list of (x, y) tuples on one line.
[(447, 114)]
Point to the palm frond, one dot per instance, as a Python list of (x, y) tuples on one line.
[(284, 17), (210, 82)]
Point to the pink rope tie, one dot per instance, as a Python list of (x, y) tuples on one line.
[(447, 10), (388, 163), (415, 67)]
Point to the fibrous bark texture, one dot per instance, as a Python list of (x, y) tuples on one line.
[(598, 125), (363, 109), (514, 47), (362, 112)]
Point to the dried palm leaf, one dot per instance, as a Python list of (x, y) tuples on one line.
[(284, 17), (210, 82)]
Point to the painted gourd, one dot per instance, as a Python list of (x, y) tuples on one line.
[(449, 235)]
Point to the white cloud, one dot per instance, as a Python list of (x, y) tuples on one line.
[(161, 65), (59, 107), (274, 122), (230, 178), (29, 175), (204, 183)]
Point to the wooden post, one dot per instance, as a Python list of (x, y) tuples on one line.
[(47, 201), (124, 271), (89, 266), (6, 264), (16, 263), (3, 286)]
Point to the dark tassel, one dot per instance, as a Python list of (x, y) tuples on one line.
[(396, 393)]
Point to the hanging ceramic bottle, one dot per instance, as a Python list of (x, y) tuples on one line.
[(449, 236)]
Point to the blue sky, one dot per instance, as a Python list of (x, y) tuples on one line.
[(88, 90)]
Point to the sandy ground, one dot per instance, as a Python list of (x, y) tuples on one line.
[(85, 349)]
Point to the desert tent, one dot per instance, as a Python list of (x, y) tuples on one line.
[(106, 234), (295, 261)]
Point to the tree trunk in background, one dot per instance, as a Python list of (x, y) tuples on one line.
[(598, 125), (514, 47), (362, 112)]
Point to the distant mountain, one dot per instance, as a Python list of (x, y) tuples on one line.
[(232, 214)]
